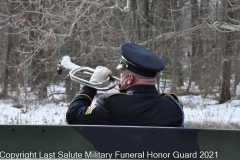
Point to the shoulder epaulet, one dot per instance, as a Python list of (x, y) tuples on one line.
[(173, 95), (118, 93), (177, 101)]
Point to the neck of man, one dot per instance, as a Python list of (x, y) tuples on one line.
[(143, 81)]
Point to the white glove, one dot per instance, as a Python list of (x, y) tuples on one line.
[(100, 74)]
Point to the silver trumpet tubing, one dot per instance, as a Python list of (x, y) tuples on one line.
[(66, 68)]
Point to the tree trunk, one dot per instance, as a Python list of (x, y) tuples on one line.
[(8, 56), (225, 89), (134, 27), (176, 48), (226, 76), (197, 47)]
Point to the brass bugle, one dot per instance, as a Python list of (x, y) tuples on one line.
[(68, 69)]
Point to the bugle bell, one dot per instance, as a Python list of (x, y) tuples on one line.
[(68, 69)]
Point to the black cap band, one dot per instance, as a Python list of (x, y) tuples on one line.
[(136, 69)]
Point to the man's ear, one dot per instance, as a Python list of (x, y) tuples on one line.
[(130, 80)]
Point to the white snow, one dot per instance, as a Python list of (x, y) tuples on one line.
[(196, 108)]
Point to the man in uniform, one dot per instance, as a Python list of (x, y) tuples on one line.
[(137, 104)]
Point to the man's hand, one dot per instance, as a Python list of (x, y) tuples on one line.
[(100, 74)]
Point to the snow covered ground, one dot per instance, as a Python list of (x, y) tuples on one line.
[(208, 113), (205, 112)]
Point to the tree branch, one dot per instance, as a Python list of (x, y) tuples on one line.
[(218, 26)]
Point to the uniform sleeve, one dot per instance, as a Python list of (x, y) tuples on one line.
[(81, 111)]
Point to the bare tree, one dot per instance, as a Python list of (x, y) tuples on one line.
[(188, 35), (227, 54)]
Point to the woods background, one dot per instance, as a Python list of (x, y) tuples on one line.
[(197, 39)]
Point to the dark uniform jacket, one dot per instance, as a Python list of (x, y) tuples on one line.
[(141, 105)]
